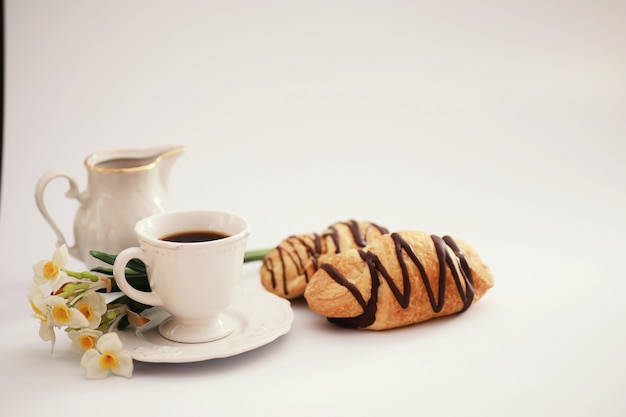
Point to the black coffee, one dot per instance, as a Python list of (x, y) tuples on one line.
[(194, 236)]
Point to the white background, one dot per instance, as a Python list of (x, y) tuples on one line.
[(499, 122)]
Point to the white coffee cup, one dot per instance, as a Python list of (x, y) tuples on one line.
[(194, 281)]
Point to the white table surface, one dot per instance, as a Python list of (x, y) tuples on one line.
[(500, 122)]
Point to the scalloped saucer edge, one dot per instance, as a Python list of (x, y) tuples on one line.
[(257, 317)]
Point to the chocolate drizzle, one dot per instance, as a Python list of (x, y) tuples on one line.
[(357, 237), (312, 250), (314, 245), (459, 269)]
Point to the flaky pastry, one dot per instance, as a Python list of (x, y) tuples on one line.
[(287, 268), (399, 279)]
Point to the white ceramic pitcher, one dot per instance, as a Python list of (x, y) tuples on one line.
[(123, 187)]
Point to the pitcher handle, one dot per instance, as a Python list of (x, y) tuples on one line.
[(72, 192)]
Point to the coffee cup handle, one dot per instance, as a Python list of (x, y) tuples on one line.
[(119, 268)]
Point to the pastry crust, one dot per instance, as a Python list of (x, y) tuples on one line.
[(286, 270), (399, 279)]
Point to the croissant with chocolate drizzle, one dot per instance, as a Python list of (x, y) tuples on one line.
[(286, 269), (398, 279)]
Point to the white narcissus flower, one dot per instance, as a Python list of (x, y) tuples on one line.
[(42, 312), (51, 271), (107, 356), (84, 339), (92, 305), (62, 315)]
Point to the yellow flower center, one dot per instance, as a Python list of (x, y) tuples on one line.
[(108, 360), (61, 314), (86, 310), (87, 342), (50, 270)]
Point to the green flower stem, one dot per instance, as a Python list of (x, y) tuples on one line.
[(82, 275), (255, 255), (71, 289)]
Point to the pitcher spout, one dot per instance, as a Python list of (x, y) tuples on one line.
[(165, 161), (168, 152)]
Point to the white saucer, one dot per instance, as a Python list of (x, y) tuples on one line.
[(257, 318)]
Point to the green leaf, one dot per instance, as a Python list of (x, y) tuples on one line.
[(104, 257), (137, 265), (134, 264), (109, 271), (255, 255)]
